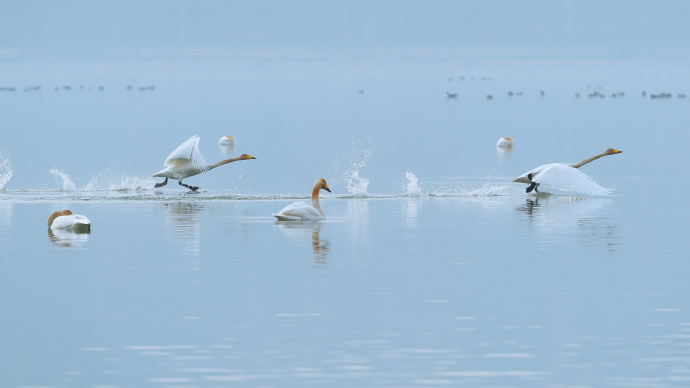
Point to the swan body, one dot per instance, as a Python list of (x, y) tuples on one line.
[(227, 140), (504, 142), (66, 220), (186, 161), (565, 176), (302, 211)]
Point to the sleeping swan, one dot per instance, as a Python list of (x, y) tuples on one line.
[(227, 140), (565, 176), (65, 220), (504, 142), (301, 211)]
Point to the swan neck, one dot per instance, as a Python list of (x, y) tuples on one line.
[(222, 162), (52, 218), (315, 199), (582, 163)]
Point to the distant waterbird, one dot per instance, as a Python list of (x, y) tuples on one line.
[(504, 142), (66, 220), (302, 211), (227, 140), (565, 176), (451, 95), (186, 161)]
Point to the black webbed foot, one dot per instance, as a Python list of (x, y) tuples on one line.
[(165, 182), (531, 187), (193, 188)]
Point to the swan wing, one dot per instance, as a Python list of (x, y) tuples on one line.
[(69, 222), (188, 152), (567, 178), (298, 211)]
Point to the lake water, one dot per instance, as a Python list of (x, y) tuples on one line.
[(431, 268)]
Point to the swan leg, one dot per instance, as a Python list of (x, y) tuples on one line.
[(193, 188), (165, 182), (533, 186)]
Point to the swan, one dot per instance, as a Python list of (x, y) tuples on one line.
[(227, 140), (186, 161), (301, 211), (565, 176), (505, 142), (64, 219)]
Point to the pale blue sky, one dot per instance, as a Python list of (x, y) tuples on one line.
[(419, 30)]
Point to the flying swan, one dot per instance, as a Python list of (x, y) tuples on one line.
[(301, 211), (565, 176), (187, 161), (64, 219)]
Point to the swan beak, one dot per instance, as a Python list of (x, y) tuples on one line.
[(326, 188), (250, 157), (617, 152)]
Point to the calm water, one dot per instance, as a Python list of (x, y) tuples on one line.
[(432, 269)]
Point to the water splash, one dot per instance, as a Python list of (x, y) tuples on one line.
[(106, 180), (67, 184), (357, 185), (5, 171), (412, 188)]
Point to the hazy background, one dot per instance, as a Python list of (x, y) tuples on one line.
[(150, 31)]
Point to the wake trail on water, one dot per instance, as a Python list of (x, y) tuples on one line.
[(110, 185)]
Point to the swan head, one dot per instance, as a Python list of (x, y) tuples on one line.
[(245, 157), (322, 185), (612, 151), (57, 214)]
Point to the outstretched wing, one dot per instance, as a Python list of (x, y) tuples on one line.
[(187, 152), (568, 178)]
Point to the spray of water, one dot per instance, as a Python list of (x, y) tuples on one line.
[(106, 180), (411, 187), (67, 184), (357, 185), (5, 171)]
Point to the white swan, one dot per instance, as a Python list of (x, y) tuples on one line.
[(505, 142), (227, 140), (64, 219), (186, 161), (565, 176), (300, 211)]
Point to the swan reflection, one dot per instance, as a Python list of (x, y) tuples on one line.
[(5, 221), (226, 148), (304, 230), (504, 154), (183, 222), (556, 216), (67, 238)]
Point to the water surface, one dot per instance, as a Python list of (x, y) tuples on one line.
[(430, 269)]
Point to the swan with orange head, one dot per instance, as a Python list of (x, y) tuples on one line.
[(302, 211), (66, 220)]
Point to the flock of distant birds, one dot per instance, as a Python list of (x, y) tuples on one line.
[(593, 94), (186, 161), (69, 88)]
